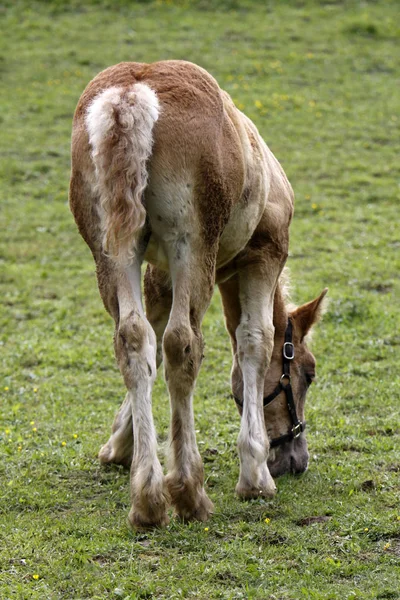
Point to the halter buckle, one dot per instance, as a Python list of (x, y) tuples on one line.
[(297, 430), (288, 350)]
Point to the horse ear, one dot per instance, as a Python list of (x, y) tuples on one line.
[(307, 315)]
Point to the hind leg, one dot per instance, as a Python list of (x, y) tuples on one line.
[(183, 352), (158, 298), (119, 447), (135, 349)]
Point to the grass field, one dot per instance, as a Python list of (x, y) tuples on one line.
[(320, 80)]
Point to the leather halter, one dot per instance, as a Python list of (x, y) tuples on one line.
[(285, 385)]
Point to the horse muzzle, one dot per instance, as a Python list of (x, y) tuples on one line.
[(291, 457)]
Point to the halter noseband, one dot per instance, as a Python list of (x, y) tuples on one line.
[(297, 426)]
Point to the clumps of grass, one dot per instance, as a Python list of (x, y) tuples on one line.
[(348, 311), (362, 29)]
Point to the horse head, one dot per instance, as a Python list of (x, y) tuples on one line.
[(288, 378)]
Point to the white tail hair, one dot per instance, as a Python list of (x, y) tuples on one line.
[(120, 123)]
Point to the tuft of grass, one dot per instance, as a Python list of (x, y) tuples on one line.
[(362, 29), (320, 84)]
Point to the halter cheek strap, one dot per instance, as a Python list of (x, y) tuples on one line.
[(285, 385)]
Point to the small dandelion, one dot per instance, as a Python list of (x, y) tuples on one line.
[(6, 388), (75, 436), (398, 517), (258, 104), (63, 444), (386, 546), (32, 423), (366, 529), (7, 432), (19, 448), (35, 390), (205, 528), (314, 206), (34, 429), (267, 520), (35, 576)]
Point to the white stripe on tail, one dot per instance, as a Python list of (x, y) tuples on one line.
[(120, 123)]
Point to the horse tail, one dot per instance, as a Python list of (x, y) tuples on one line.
[(120, 123)]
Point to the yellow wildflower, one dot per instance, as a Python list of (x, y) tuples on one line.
[(267, 520), (386, 546), (34, 429), (7, 432), (258, 104), (35, 390), (75, 436), (63, 444), (35, 576), (32, 423), (205, 528), (6, 388)]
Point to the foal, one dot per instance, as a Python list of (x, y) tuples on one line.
[(166, 169)]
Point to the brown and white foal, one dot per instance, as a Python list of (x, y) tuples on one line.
[(166, 169)]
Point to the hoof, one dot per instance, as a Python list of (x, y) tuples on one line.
[(190, 500), (149, 500), (143, 522), (108, 455), (262, 486), (246, 492), (202, 512)]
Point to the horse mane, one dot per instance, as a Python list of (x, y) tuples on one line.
[(282, 300), (286, 287)]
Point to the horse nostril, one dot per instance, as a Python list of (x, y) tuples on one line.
[(298, 465)]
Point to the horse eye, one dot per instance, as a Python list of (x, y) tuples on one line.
[(310, 378)]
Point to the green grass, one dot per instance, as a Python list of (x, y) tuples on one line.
[(320, 81)]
